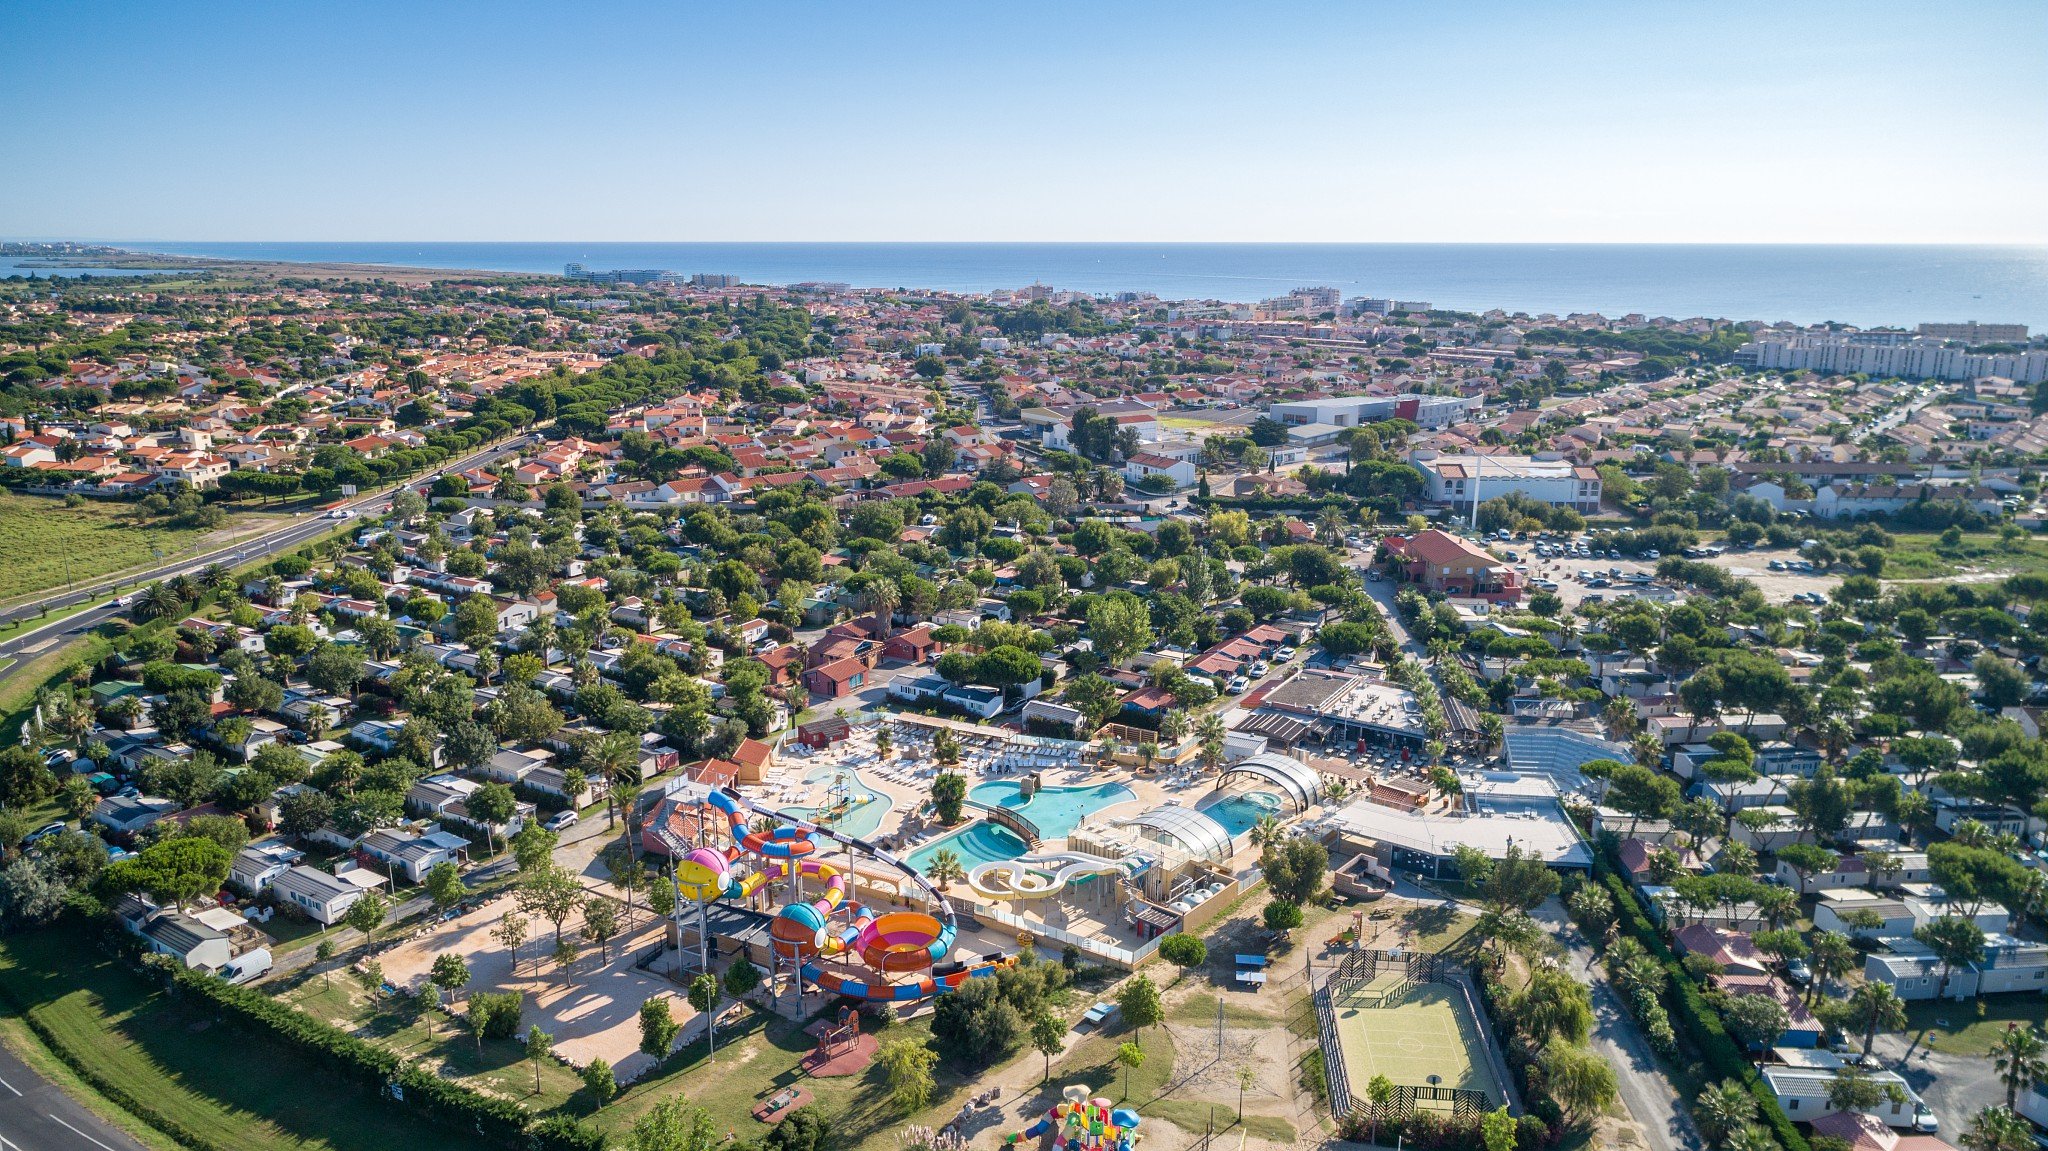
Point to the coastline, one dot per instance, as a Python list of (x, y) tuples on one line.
[(130, 260)]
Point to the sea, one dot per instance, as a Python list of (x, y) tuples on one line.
[(1866, 285)]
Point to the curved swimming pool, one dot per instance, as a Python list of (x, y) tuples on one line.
[(1055, 811), (860, 815), (1241, 811), (979, 842)]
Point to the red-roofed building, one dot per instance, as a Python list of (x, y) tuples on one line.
[(1446, 564), (838, 678)]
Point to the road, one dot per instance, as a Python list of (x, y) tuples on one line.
[(1954, 1087), (20, 648), (1620, 1044), (37, 1116)]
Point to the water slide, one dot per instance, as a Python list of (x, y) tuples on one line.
[(1043, 874), (890, 943)]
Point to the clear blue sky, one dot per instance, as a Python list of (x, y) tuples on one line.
[(1806, 121)]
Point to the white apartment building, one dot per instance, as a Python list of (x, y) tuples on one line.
[(1889, 354), (1465, 480)]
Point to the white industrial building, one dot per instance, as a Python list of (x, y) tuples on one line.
[(1351, 411), (1547, 477)]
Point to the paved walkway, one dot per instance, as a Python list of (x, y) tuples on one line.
[(1619, 1041)]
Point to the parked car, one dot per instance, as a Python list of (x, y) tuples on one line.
[(1798, 972), (1237, 685), (560, 821), (1925, 1120), (1260, 667), (44, 832)]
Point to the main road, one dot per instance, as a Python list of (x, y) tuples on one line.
[(35, 640)]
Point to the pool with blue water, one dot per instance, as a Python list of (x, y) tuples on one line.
[(1240, 811), (1055, 811), (856, 811)]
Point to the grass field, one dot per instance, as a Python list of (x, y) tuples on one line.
[(229, 1086), (1428, 1033), (1919, 555), (43, 543), (1955, 1028)]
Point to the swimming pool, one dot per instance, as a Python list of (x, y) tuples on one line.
[(1241, 811), (1055, 811), (977, 843), (865, 807)]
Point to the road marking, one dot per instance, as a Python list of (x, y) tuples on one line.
[(82, 1135), (11, 1087)]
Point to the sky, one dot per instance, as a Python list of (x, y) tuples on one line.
[(1590, 121)]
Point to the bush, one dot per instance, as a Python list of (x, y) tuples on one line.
[(1281, 915), (1719, 1055), (364, 1062), (1183, 950)]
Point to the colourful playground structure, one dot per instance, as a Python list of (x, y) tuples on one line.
[(1079, 1123), (830, 926), (1046, 873)]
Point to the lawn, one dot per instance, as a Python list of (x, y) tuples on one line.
[(226, 1085), (1920, 555), (44, 544), (1956, 1029)]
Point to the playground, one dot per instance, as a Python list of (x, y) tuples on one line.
[(1422, 1038)]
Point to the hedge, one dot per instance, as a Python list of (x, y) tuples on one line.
[(382, 1070), (1696, 1018)]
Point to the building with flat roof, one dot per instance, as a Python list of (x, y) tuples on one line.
[(1500, 810), (1465, 480), (1343, 707), (1351, 411)]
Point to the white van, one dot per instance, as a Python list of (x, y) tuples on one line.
[(246, 966)]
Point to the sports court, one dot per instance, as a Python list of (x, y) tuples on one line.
[(1422, 1037)]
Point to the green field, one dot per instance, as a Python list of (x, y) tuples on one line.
[(1957, 1029), (43, 543), (1920, 555), (221, 1083)]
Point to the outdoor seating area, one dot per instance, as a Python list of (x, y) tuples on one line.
[(1251, 969)]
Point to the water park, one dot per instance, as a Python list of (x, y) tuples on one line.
[(1055, 851)]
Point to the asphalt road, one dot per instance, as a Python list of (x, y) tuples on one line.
[(36, 1116), (19, 649)]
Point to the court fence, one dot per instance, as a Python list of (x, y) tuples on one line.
[(1354, 983)]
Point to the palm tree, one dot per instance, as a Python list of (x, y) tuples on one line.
[(882, 595), (1998, 1129), (1751, 1138), (1210, 730), (1173, 727), (615, 758), (1623, 721), (944, 867), (2019, 1057), (159, 602), (1723, 1110), (214, 577), (1267, 831), (1879, 1007)]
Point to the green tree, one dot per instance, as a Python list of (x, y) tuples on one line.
[(1955, 941), (658, 1028), (1120, 625), (2020, 1059), (704, 991), (908, 1064), (674, 1125), (600, 1082), (366, 915), (174, 871), (1048, 1036), (444, 885), (1139, 1003), (539, 1045), (1184, 950), (949, 794), (1131, 1057)]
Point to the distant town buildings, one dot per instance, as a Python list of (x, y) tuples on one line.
[(1912, 357)]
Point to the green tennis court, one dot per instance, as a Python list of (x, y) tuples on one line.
[(1426, 1033)]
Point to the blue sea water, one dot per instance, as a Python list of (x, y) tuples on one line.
[(1867, 285)]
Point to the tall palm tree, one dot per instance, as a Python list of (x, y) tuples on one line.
[(1879, 1007), (881, 596), (1210, 730), (1173, 727), (615, 758), (1723, 1110), (2020, 1059)]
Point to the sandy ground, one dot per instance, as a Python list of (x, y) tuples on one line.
[(1778, 587), (592, 1009)]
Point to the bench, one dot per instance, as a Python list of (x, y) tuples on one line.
[(1254, 977), (1251, 961), (1098, 1013)]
